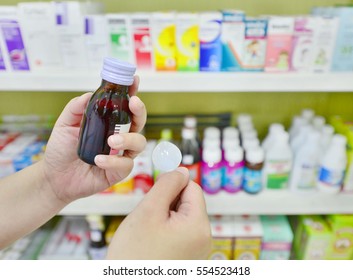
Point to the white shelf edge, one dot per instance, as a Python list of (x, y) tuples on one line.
[(269, 202), (81, 81)]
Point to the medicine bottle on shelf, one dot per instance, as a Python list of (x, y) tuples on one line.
[(108, 110)]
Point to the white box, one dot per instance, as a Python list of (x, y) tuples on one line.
[(37, 21)]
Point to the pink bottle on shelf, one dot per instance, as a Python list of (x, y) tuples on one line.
[(233, 169), (211, 169)]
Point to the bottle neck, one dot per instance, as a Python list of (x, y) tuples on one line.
[(114, 88)]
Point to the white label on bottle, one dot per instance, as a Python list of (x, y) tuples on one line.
[(188, 159), (120, 128)]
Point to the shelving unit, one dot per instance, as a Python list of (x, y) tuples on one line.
[(268, 202), (80, 81)]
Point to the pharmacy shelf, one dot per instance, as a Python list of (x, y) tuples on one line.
[(82, 81), (268, 202)]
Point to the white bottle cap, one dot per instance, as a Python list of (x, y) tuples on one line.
[(211, 143), (327, 130), (250, 143), (244, 118), (166, 156), (245, 127), (234, 155), (230, 143), (212, 132), (255, 155), (190, 121), (230, 132), (188, 133), (275, 127), (249, 134), (308, 114), (319, 122), (339, 139), (212, 155)]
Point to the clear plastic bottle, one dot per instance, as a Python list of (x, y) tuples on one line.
[(211, 168), (273, 130), (108, 110), (233, 169), (254, 160), (278, 163), (190, 151), (303, 176), (333, 166)]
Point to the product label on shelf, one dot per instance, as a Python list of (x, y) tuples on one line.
[(308, 177), (252, 180), (233, 177), (331, 178), (211, 179), (194, 171), (277, 174)]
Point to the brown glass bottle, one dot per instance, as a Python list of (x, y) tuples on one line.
[(107, 111)]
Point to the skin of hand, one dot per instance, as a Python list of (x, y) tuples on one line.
[(171, 222), (68, 176), (32, 196)]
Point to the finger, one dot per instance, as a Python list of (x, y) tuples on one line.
[(119, 167), (133, 142), (166, 190), (192, 200), (134, 87), (73, 111), (138, 109)]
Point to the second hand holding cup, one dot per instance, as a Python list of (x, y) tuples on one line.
[(166, 156)]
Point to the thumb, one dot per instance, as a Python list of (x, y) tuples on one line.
[(73, 111), (165, 191)]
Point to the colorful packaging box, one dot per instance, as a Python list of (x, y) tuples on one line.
[(187, 41), (247, 238), (210, 41), (233, 36), (143, 169), (343, 52), (277, 239), (342, 230), (39, 30), (120, 43), (70, 27), (255, 44), (142, 40), (95, 39), (324, 43), (313, 238), (12, 49), (222, 228), (164, 42), (303, 43), (279, 44)]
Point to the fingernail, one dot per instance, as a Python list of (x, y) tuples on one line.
[(116, 140), (183, 170), (100, 159)]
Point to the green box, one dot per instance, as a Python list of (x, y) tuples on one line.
[(342, 236), (313, 238)]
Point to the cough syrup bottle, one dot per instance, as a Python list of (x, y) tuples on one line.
[(108, 110)]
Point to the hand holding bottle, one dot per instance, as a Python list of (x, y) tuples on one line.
[(68, 176), (171, 222)]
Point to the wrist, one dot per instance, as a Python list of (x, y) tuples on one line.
[(47, 190)]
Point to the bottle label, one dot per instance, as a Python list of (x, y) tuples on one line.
[(277, 174), (195, 171), (308, 177), (331, 178), (120, 128), (211, 179), (233, 177), (252, 180)]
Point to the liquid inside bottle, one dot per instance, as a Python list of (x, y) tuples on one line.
[(107, 113)]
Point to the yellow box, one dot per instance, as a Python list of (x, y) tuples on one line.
[(222, 241)]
